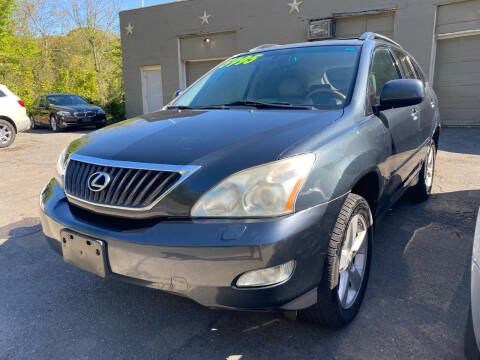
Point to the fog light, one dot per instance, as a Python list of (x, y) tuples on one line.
[(268, 276)]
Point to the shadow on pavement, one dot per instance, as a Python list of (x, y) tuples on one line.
[(415, 306), (461, 141)]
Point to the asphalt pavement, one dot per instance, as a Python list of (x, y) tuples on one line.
[(415, 305)]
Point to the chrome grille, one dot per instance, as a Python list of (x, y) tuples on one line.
[(82, 114), (129, 187)]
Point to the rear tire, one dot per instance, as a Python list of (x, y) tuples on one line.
[(7, 133), (421, 191), (346, 268), (33, 126)]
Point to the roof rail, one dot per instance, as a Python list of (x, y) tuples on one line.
[(263, 46), (371, 35)]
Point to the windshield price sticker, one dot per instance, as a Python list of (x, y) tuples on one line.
[(242, 60)]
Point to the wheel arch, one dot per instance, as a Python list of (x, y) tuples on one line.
[(10, 121), (368, 187)]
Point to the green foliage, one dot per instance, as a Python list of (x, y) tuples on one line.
[(32, 64), (115, 110)]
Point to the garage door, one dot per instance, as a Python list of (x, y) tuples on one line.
[(352, 26), (195, 69), (457, 80)]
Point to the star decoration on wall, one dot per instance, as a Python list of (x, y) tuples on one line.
[(294, 6), (129, 29), (204, 18)]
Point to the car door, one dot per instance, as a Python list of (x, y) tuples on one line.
[(425, 109), (427, 121), (401, 125), (42, 111)]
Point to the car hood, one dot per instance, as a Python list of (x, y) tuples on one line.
[(221, 142), (83, 107), (200, 137)]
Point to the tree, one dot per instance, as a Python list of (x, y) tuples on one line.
[(42, 52), (95, 19)]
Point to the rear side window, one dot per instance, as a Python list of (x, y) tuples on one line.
[(418, 70), (382, 70), (2, 94), (403, 61)]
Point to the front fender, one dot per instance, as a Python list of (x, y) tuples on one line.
[(343, 158)]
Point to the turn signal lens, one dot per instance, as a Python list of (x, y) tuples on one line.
[(21, 103), (269, 276)]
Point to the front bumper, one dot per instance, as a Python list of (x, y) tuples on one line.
[(71, 121), (201, 259)]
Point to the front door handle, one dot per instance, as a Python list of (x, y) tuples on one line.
[(414, 114), (432, 103)]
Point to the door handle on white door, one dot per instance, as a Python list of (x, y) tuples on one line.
[(432, 103)]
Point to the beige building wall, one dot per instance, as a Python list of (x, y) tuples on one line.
[(172, 35)]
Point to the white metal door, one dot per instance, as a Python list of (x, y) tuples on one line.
[(152, 88)]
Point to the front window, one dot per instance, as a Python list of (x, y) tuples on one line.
[(320, 76), (66, 100)]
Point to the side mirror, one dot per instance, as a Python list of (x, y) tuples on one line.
[(177, 93), (90, 102), (400, 93)]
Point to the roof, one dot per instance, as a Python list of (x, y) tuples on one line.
[(334, 42)]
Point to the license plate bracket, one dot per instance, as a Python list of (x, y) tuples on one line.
[(84, 252)]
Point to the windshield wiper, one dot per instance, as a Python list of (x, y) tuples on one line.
[(179, 107), (270, 105)]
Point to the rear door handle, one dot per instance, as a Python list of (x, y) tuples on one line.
[(414, 113)]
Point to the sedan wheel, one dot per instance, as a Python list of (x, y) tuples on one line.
[(346, 269), (53, 124), (32, 123), (7, 133)]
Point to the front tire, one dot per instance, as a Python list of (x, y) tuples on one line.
[(347, 266), (421, 191), (7, 133), (54, 124)]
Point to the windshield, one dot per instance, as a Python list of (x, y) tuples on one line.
[(320, 76), (66, 100)]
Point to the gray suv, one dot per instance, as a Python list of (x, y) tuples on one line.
[(259, 186)]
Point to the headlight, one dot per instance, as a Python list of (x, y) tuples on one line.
[(265, 190), (61, 166), (100, 111), (64, 113)]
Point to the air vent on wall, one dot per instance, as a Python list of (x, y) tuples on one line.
[(321, 29)]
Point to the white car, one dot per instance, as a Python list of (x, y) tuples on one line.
[(13, 116), (472, 339)]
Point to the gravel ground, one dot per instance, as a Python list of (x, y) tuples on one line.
[(415, 306)]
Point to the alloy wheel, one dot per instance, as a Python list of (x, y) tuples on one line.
[(429, 167), (5, 134), (53, 123), (353, 259)]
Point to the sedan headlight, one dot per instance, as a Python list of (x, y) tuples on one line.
[(61, 166), (100, 111), (265, 190), (64, 113)]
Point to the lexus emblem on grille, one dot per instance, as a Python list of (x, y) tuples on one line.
[(98, 181)]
